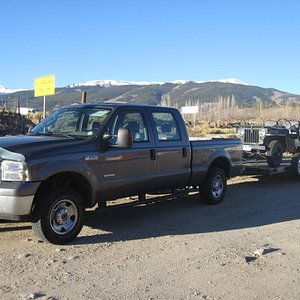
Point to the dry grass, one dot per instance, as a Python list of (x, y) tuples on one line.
[(204, 129), (222, 122)]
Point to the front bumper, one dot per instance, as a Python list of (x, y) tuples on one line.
[(16, 199)]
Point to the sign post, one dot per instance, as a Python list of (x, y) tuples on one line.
[(44, 86), (185, 110)]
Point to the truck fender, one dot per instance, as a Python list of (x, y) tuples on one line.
[(64, 166), (221, 159)]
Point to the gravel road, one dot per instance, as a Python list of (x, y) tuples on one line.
[(248, 247)]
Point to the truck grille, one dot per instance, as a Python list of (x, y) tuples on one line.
[(251, 136)]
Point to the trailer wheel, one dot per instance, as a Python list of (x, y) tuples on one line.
[(214, 187), (295, 164), (274, 155), (59, 216)]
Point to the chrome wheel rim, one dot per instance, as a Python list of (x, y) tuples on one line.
[(63, 217), (217, 186)]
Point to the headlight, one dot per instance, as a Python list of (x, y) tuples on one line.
[(240, 132), (14, 171), (262, 133)]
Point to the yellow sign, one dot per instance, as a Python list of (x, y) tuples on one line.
[(44, 86)]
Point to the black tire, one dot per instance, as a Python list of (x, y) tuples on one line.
[(58, 216), (214, 187), (295, 164), (274, 155)]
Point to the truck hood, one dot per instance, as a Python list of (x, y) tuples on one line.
[(27, 144)]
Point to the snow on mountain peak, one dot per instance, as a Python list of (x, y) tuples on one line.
[(4, 90), (108, 83), (230, 80)]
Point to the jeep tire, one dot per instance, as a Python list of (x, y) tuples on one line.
[(295, 164), (275, 153)]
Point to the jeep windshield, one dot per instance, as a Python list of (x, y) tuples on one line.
[(80, 122)]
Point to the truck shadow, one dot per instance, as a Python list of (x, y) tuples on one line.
[(247, 204), (13, 226)]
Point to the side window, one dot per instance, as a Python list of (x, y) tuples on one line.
[(166, 127), (131, 120)]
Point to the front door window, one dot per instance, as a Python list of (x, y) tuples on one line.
[(134, 122)]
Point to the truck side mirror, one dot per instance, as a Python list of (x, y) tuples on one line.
[(29, 131), (124, 139), (106, 137), (105, 144)]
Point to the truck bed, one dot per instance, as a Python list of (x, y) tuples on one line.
[(206, 151)]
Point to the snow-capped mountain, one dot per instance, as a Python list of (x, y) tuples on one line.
[(156, 93), (230, 80), (109, 83), (4, 90)]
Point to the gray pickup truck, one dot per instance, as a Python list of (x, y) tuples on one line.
[(86, 154)]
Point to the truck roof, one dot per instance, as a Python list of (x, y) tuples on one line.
[(115, 105)]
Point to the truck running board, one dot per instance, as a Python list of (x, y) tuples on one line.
[(143, 200)]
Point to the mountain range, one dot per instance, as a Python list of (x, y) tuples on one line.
[(176, 93), (110, 83)]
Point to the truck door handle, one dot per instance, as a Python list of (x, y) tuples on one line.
[(184, 152), (152, 154)]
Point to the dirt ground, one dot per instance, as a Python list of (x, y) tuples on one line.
[(248, 247)]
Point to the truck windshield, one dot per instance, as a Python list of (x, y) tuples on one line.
[(72, 122)]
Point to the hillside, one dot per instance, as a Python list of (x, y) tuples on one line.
[(173, 93)]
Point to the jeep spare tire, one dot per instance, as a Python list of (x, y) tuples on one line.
[(274, 155)]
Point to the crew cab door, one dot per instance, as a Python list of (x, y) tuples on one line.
[(129, 171), (173, 151)]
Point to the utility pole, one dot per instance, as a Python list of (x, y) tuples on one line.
[(83, 97)]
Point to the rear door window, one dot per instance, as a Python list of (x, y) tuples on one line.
[(166, 127)]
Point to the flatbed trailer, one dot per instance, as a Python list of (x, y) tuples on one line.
[(259, 166)]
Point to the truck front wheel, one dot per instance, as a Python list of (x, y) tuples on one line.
[(59, 216), (214, 187)]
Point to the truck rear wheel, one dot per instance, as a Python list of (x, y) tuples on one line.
[(59, 216), (274, 155), (214, 187)]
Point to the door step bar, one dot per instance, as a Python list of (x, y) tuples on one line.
[(143, 199)]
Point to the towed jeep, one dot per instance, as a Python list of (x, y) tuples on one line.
[(270, 140)]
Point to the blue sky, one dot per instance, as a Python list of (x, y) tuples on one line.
[(257, 41)]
